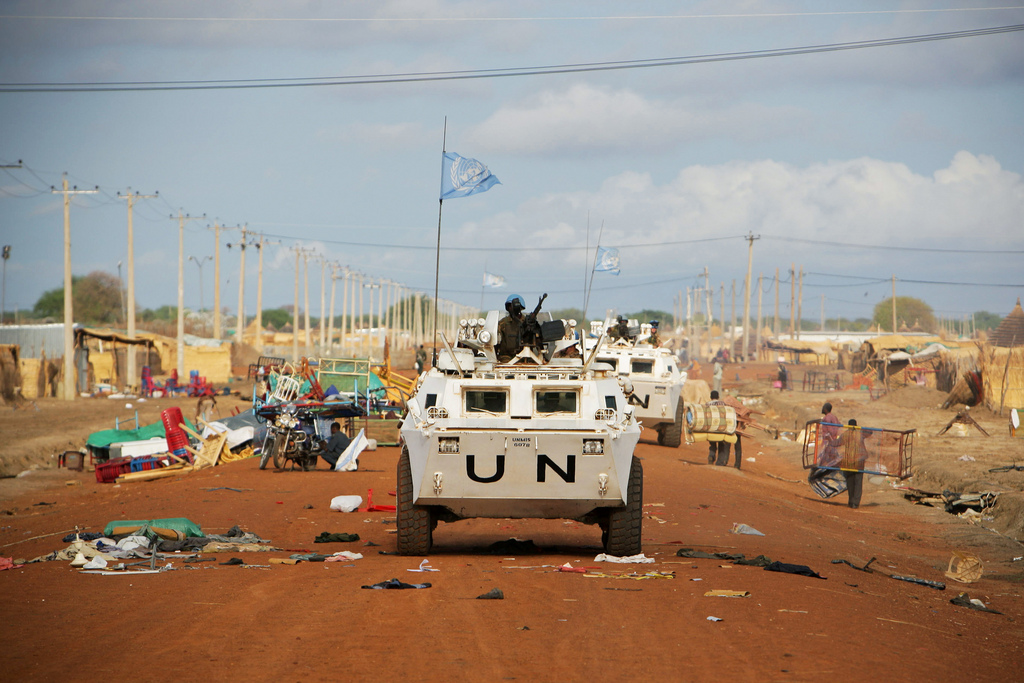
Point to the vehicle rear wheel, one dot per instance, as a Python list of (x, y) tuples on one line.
[(415, 522), (672, 435), (625, 524)]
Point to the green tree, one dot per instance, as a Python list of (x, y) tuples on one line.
[(909, 312), (648, 315), (96, 298), (278, 317), (983, 320)]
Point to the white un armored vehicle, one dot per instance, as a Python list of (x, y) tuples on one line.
[(548, 434), (650, 378)]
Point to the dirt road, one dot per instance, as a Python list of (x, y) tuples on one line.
[(313, 621)]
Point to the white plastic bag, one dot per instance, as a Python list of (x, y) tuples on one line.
[(346, 503)]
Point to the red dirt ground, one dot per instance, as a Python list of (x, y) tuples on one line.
[(313, 622)]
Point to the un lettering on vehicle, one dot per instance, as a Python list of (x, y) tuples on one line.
[(544, 464)]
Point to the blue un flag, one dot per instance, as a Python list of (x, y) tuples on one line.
[(461, 177), (607, 260)]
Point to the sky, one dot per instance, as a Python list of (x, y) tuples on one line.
[(853, 165)]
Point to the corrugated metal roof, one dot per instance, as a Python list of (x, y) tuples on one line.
[(33, 339)]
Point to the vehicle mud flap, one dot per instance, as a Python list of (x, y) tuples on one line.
[(415, 523), (671, 435), (623, 529)]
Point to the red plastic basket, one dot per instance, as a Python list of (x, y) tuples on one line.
[(107, 472)]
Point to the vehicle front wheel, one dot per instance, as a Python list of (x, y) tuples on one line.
[(671, 435), (625, 525), (280, 451), (415, 522)]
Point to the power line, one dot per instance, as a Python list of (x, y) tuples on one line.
[(932, 250), (418, 77), (485, 19)]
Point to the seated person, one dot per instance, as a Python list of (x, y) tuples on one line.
[(335, 446)]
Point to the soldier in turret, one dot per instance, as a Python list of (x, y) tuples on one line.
[(510, 329)]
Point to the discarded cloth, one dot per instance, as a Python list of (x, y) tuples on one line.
[(629, 559), (343, 555), (719, 593), (424, 567), (395, 584), (493, 594), (234, 561), (83, 535), (735, 558), (218, 547), (633, 575), (801, 569), (308, 557), (328, 537), (744, 529), (965, 600), (8, 563)]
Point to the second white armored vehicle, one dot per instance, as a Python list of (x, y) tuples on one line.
[(548, 434), (651, 379)]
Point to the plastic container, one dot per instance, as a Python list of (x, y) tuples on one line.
[(148, 462), (172, 417), (107, 472)]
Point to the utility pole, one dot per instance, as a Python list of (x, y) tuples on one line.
[(182, 218), (69, 317), (216, 280), (323, 292), (732, 323), (240, 322), (305, 280), (259, 296), (792, 301), (746, 294), (330, 320), (800, 304), (707, 302), (380, 311), (130, 361), (344, 313), (775, 322), (295, 308), (7, 255), (721, 308), (894, 303), (760, 291)]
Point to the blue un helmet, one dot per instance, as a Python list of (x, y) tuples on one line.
[(515, 301), (654, 323)]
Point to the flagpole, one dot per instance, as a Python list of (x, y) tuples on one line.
[(437, 261), (593, 268)]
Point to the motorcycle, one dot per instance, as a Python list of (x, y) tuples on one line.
[(293, 436)]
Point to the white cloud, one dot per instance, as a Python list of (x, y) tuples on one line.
[(973, 203), (587, 119)]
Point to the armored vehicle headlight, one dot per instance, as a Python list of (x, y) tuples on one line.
[(448, 445), (659, 390), (484, 337), (593, 446), (605, 414)]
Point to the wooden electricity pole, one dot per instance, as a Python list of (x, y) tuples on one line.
[(295, 307), (240, 323), (757, 344), (894, 304), (792, 301), (800, 304), (181, 291), (130, 360), (216, 280), (775, 322), (746, 293), (69, 316)]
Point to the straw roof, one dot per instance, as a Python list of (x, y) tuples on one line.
[(1010, 332)]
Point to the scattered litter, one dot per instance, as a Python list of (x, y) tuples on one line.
[(745, 529), (343, 555), (307, 557), (964, 567), (938, 585), (696, 579), (865, 568), (629, 559), (727, 594), (802, 570), (737, 558), (965, 600), (95, 563), (328, 537), (8, 563), (346, 503), (234, 561), (424, 567), (966, 458), (370, 507), (794, 611), (493, 594), (283, 560), (571, 569), (395, 584), (634, 575), (751, 460), (714, 618)]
